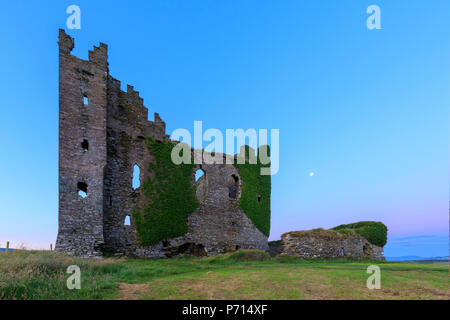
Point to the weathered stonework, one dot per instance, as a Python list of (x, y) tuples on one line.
[(315, 247), (275, 248), (102, 135)]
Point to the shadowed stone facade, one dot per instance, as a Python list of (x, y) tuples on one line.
[(102, 132), (311, 247)]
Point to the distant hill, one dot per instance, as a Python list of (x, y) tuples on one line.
[(417, 258)]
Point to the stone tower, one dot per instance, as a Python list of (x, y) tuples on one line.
[(82, 148)]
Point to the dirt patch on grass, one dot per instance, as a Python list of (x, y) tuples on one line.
[(133, 291), (287, 283), (236, 285)]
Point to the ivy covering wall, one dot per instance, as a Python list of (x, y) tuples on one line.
[(374, 232), (172, 197), (255, 193)]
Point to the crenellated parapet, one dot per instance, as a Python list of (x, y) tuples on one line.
[(99, 57)]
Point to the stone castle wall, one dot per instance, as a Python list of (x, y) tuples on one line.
[(311, 247), (115, 124)]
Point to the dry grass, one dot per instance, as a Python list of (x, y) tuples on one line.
[(132, 291), (42, 275), (240, 275), (287, 283)]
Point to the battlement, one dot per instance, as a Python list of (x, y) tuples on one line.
[(66, 43), (125, 105), (99, 56)]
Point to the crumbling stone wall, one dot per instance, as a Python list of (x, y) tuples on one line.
[(314, 247), (218, 225), (115, 126), (127, 127)]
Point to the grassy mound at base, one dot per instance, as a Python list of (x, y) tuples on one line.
[(241, 255)]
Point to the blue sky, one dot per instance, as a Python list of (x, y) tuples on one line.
[(365, 110)]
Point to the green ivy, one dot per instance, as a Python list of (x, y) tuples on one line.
[(171, 197), (254, 185), (374, 232)]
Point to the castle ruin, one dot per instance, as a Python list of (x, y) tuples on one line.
[(104, 133)]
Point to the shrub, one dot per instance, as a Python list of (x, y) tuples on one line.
[(374, 232)]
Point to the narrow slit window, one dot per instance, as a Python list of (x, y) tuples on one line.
[(127, 221), (85, 100), (136, 177), (85, 145), (233, 188), (82, 189)]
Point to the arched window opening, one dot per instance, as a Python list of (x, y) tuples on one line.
[(85, 145), (233, 188), (82, 189), (259, 198), (198, 174), (136, 177), (127, 221), (201, 184)]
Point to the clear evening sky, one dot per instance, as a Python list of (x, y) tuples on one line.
[(365, 110)]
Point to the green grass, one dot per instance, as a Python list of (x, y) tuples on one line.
[(239, 275)]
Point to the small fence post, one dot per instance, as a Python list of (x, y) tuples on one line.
[(51, 246), (7, 246)]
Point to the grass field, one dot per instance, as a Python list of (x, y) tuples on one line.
[(42, 275)]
